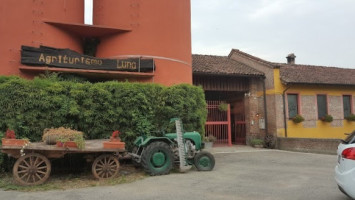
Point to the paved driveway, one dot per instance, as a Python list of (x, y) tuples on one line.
[(242, 173)]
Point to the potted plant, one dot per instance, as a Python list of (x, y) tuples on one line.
[(64, 137), (297, 119), (327, 118), (10, 139), (115, 141), (51, 136), (209, 140), (74, 141), (350, 118), (257, 143), (223, 106)]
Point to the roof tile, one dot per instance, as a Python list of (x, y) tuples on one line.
[(221, 65), (310, 74)]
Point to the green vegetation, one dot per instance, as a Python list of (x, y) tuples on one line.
[(351, 117), (30, 106), (70, 181), (254, 142), (298, 119), (327, 118), (223, 106)]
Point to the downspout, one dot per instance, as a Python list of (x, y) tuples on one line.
[(284, 105), (265, 110)]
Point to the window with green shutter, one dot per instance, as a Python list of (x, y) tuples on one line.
[(322, 105), (292, 100), (347, 105)]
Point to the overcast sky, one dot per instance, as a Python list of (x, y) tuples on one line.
[(319, 32)]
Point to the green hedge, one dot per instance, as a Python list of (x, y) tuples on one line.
[(29, 106)]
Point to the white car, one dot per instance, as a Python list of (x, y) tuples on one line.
[(345, 169)]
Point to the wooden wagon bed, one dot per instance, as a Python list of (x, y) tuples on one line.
[(33, 166), (52, 151)]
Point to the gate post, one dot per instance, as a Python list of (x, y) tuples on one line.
[(229, 125)]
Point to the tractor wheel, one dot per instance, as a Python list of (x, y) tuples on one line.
[(204, 161), (157, 158)]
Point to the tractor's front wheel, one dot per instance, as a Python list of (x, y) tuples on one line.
[(204, 161), (157, 158)]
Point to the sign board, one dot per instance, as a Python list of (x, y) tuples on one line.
[(262, 123), (66, 58)]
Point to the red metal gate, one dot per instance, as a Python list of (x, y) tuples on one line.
[(218, 123)]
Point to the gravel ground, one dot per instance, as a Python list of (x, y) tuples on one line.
[(240, 173)]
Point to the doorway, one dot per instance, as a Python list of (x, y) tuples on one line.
[(229, 127)]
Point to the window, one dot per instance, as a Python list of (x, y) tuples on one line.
[(322, 105), (347, 105), (292, 100)]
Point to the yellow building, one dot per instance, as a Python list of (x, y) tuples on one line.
[(324, 97)]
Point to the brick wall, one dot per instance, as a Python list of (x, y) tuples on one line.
[(309, 145), (268, 71), (279, 107), (271, 113), (252, 108), (335, 108), (309, 111)]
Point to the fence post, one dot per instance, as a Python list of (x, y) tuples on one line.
[(229, 125)]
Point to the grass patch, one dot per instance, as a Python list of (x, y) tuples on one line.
[(127, 174)]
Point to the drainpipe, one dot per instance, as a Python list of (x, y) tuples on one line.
[(284, 105), (265, 110)]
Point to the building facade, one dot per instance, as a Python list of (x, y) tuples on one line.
[(125, 32), (285, 91), (236, 85), (313, 92)]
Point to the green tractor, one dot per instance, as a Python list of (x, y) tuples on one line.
[(158, 155)]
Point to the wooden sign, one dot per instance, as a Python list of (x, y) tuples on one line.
[(66, 58)]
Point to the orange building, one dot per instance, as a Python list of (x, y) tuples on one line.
[(125, 33)]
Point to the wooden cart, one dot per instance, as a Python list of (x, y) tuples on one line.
[(33, 166)]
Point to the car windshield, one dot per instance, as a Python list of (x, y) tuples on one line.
[(350, 138)]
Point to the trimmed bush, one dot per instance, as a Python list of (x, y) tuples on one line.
[(254, 142), (30, 106), (298, 119), (327, 118), (351, 117)]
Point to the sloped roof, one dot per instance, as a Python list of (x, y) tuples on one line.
[(221, 65), (311, 74), (306, 74), (251, 57)]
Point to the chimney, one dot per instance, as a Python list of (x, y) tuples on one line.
[(291, 58)]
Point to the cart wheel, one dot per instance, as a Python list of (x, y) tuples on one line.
[(31, 169), (105, 166)]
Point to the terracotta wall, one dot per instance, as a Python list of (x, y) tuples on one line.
[(23, 22), (160, 29)]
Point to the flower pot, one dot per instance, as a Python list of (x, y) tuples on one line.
[(258, 146), (51, 139), (69, 144), (208, 145), (115, 139), (114, 145), (14, 142)]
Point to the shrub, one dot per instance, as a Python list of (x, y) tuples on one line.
[(30, 106), (351, 117), (223, 106), (254, 142), (1, 154), (210, 138), (298, 119), (327, 118)]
